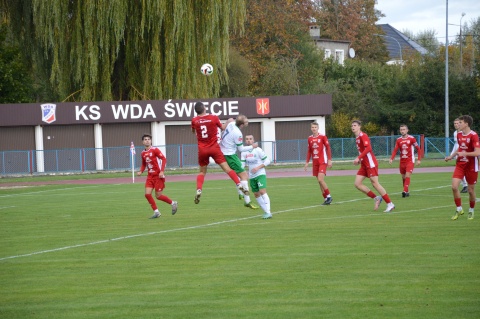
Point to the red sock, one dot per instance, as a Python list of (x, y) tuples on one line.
[(200, 180), (326, 193), (458, 202), (150, 199), (234, 177), (406, 183), (472, 204), (386, 199), (371, 194), (165, 199)]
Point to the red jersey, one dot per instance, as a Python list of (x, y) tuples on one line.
[(318, 149), (206, 128), (468, 143), (407, 148), (365, 152), (154, 160)]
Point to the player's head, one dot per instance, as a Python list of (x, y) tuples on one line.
[(199, 108), (241, 120), (314, 127), (249, 140), (147, 140), (356, 126), (403, 129), (455, 123), (466, 119)]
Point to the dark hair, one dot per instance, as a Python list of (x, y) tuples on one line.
[(146, 135), (199, 108), (358, 122), (405, 125), (467, 119)]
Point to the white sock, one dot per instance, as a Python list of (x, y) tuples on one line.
[(156, 211), (246, 197), (266, 200), (261, 202), (459, 208)]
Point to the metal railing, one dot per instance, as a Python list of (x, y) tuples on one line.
[(185, 155)]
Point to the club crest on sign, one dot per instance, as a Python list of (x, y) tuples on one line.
[(263, 106), (48, 113)]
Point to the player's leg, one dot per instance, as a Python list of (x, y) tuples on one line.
[(407, 172), (471, 178), (464, 186), (456, 180), (324, 188), (244, 181), (383, 193), (259, 187), (149, 187), (159, 187)]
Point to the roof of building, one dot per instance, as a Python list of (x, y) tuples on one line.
[(394, 39)]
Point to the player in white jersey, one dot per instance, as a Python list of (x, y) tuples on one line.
[(257, 160), (232, 140), (455, 148)]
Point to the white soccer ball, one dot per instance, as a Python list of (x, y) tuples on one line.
[(206, 69)]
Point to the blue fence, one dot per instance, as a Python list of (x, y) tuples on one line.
[(185, 155)]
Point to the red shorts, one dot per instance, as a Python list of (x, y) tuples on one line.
[(154, 181), (204, 154), (367, 171), (318, 168), (406, 167), (468, 172)]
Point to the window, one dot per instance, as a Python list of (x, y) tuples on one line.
[(328, 53), (339, 56)]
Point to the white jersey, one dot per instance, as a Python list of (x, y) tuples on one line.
[(455, 146), (232, 139), (254, 158)]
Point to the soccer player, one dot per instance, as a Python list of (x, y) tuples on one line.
[(257, 160), (455, 148), (154, 160), (232, 140), (406, 144), (368, 168), (320, 152), (206, 127), (467, 164)]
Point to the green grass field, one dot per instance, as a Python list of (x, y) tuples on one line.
[(90, 251)]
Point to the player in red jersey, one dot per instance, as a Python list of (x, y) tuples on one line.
[(466, 166), (206, 127), (321, 154), (368, 168), (406, 144), (154, 161)]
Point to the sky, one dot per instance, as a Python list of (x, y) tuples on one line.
[(422, 15)]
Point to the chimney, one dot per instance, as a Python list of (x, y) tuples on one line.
[(315, 31)]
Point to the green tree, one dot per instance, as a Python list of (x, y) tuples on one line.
[(16, 85), (115, 49)]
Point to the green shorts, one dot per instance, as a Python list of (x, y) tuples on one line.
[(234, 162), (258, 183)]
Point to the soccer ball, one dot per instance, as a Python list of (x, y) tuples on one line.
[(206, 69)]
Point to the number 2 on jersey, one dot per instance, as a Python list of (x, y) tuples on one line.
[(204, 131)]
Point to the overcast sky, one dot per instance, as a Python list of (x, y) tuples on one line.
[(421, 15)]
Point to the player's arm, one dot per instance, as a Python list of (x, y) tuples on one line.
[(142, 168), (476, 152), (326, 144), (309, 155), (163, 160), (453, 153), (419, 153), (394, 152), (266, 162), (224, 125), (368, 148)]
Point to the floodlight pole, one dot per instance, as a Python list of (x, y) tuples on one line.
[(447, 144), (461, 42)]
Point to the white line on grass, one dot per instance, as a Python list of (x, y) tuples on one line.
[(215, 224), (5, 207)]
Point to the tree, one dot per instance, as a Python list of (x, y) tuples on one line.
[(115, 49), (16, 85), (355, 21), (276, 36)]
